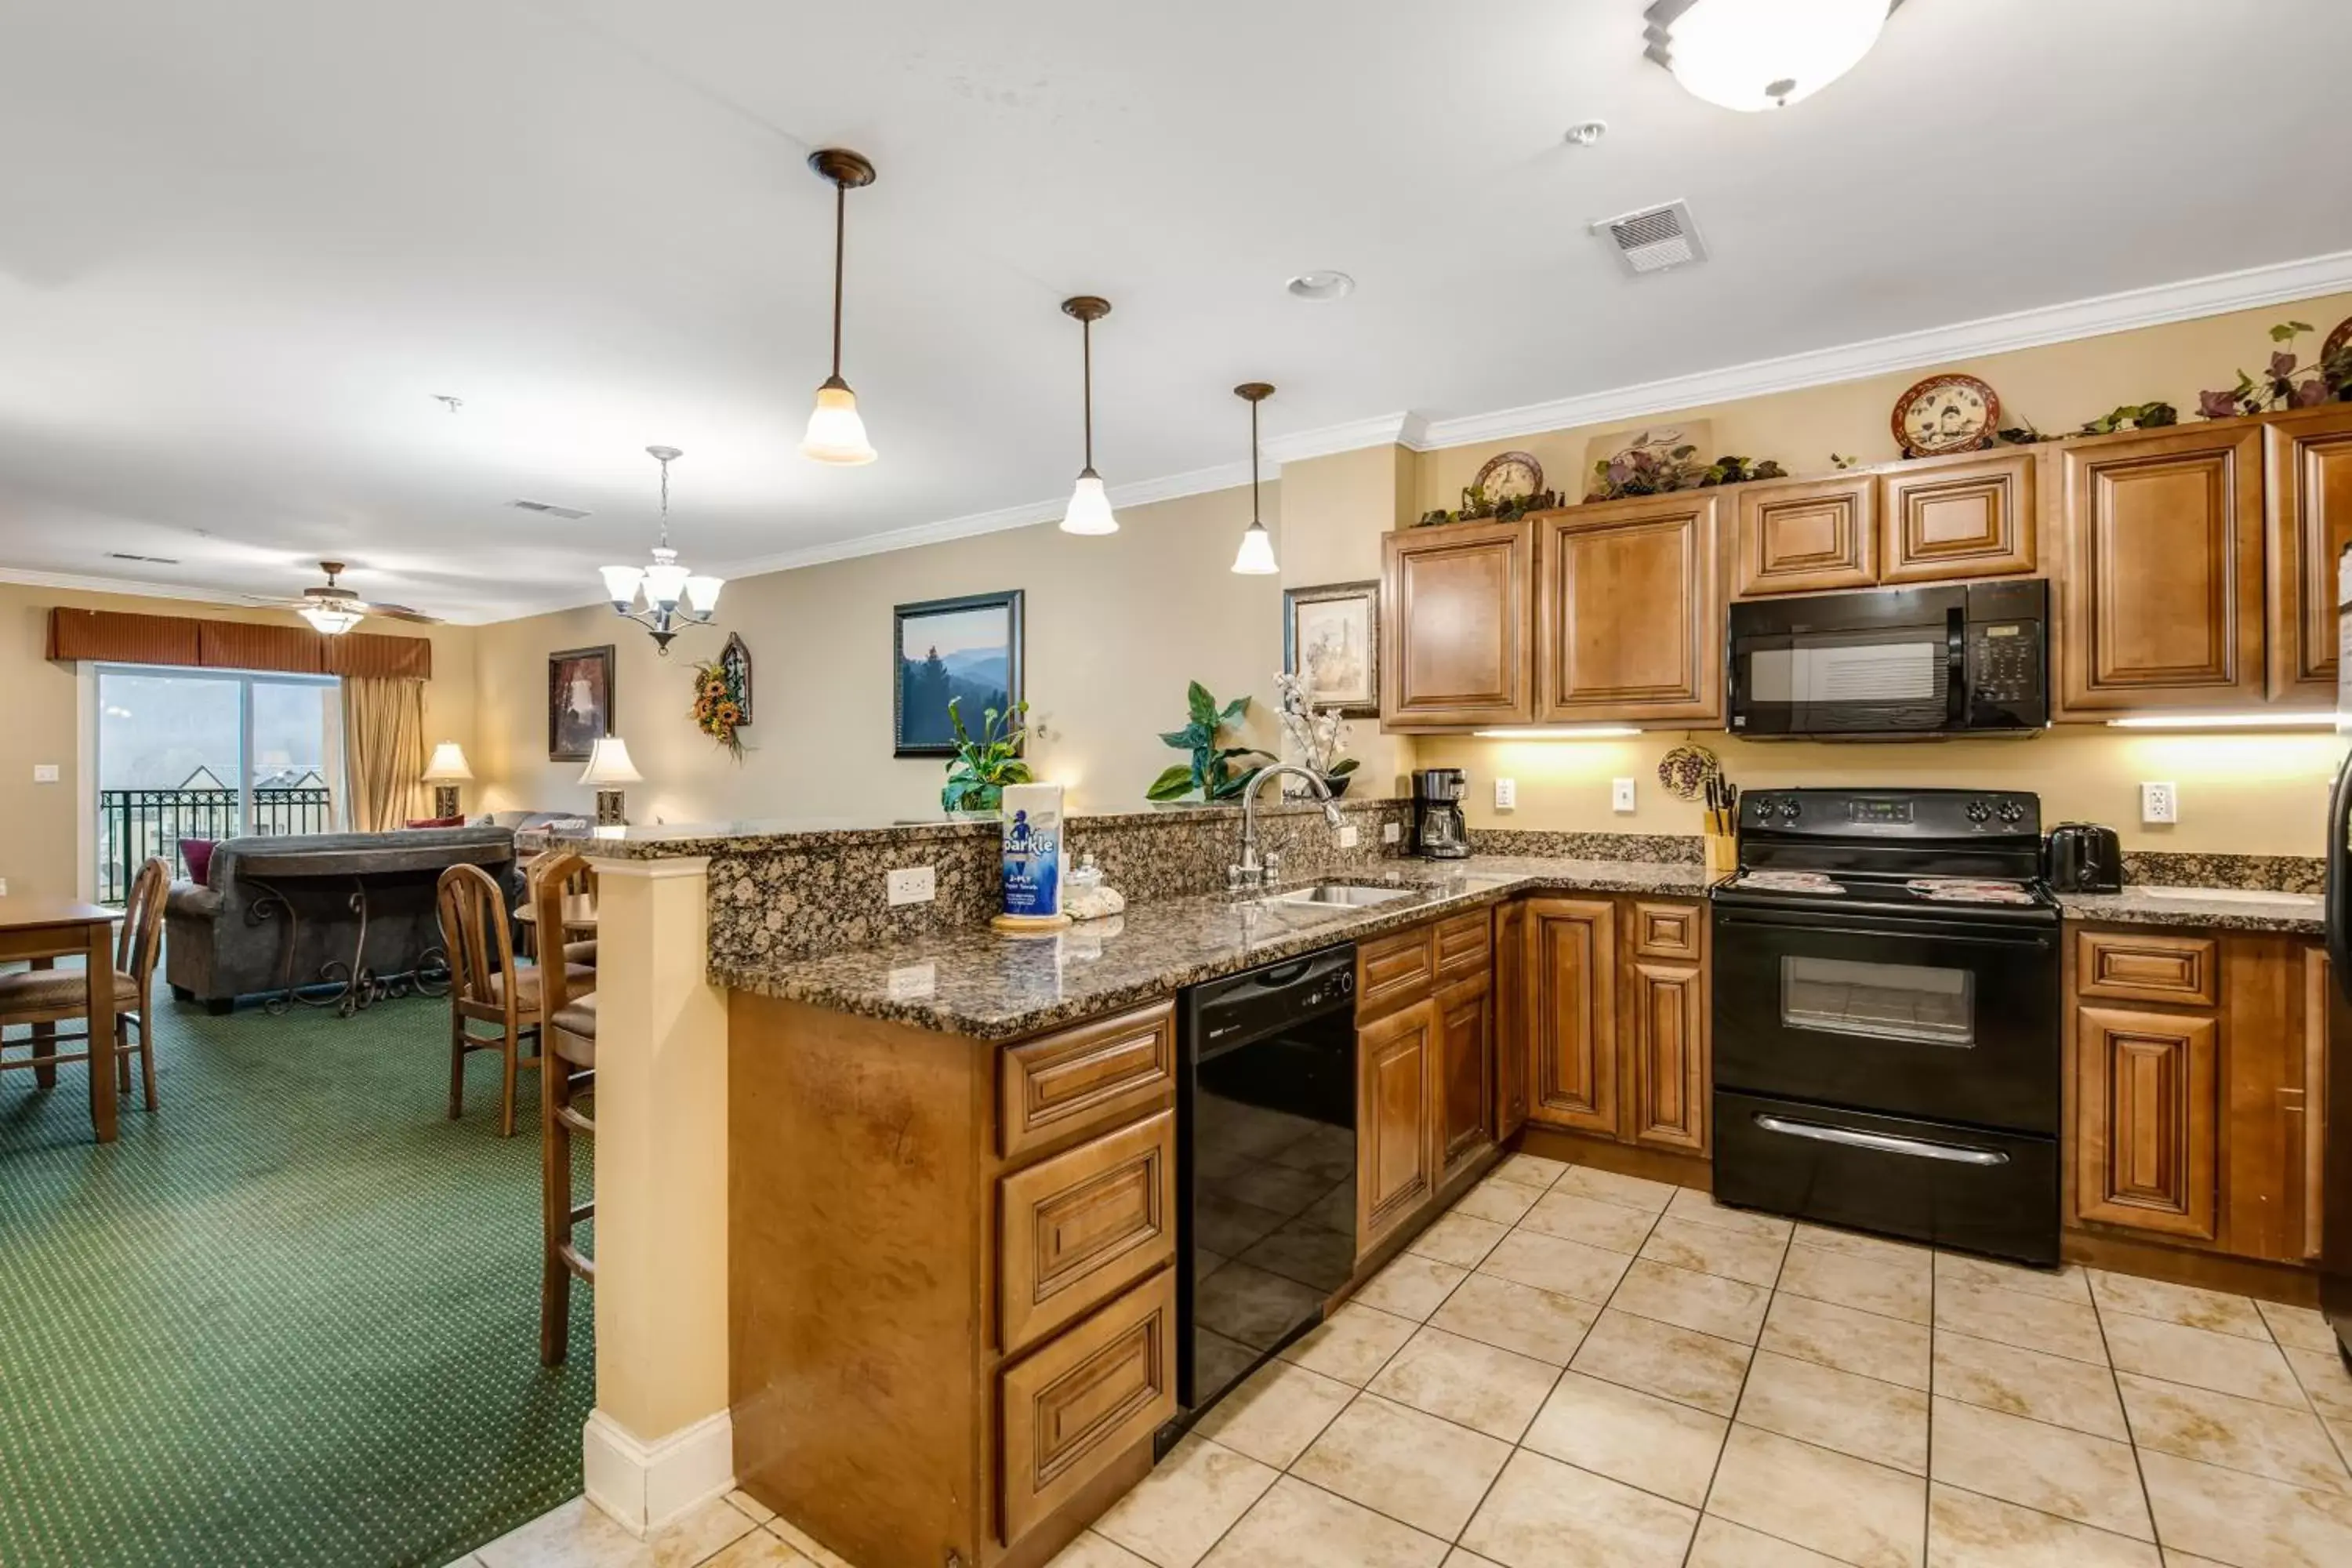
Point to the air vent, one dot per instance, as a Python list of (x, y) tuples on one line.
[(549, 509), (148, 560), (1654, 239)]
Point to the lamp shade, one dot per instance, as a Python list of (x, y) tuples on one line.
[(329, 622), (448, 764), (835, 433), (1255, 557), (1754, 54), (608, 763), (1089, 510)]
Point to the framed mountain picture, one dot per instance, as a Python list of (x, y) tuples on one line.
[(966, 650)]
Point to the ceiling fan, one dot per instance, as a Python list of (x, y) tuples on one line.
[(334, 609)]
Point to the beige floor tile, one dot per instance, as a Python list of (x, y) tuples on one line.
[(1351, 1344), (1658, 1358), (1545, 1514), (1457, 1558), (745, 1503), (1276, 1413), (2066, 1284), (1700, 1209), (2034, 1384), (1493, 1391), (2054, 1469), (1632, 1192), (761, 1550), (1895, 1284), (1720, 1543), (2183, 1304), (1190, 1498), (2011, 1317), (2301, 1328), (1589, 1220), (2248, 1521), (1412, 1286), (1252, 1306), (1410, 1466), (2222, 1429), (1498, 1312), (2201, 1357), (1965, 1531), (1295, 1525), (1859, 1416), (1848, 1339), (1711, 1249), (1854, 1510), (1495, 1199), (798, 1540), (1092, 1550), (1530, 1170), (1855, 1244), (1460, 1239), (580, 1535), (1638, 1439), (1688, 1300), (2325, 1380), (1564, 1267)]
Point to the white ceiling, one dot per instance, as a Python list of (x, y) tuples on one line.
[(242, 244)]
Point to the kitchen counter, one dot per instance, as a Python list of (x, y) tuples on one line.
[(982, 983), (2228, 908)]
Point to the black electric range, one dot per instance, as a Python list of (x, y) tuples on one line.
[(1886, 1016)]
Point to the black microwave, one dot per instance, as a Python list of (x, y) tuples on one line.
[(1963, 660)]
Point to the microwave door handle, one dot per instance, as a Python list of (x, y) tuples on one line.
[(1956, 668)]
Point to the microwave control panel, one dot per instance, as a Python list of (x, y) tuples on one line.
[(2005, 662)]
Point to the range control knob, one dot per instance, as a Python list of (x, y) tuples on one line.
[(1979, 811), (1789, 809), (2011, 811), (1763, 808)]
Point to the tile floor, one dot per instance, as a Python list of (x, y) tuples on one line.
[(1579, 1370)]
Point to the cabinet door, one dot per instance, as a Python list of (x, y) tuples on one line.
[(2148, 1121), (2163, 603), (1628, 622), (1666, 1054), (1952, 517), (2308, 474), (1571, 947), (1806, 537), (2313, 1175), (1454, 605), (1396, 1141), (1511, 1013), (1466, 1070)]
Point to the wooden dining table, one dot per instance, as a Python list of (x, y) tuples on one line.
[(43, 929)]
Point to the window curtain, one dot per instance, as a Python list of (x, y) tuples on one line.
[(384, 750)]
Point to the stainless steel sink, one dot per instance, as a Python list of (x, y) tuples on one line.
[(1344, 895)]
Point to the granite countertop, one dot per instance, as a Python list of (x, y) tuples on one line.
[(990, 986), (2228, 908)]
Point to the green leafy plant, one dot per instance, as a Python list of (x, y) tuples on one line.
[(2132, 416), (1477, 506), (1218, 773), (985, 764), (2286, 383), (1656, 469)]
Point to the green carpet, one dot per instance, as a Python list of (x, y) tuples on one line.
[(291, 1319)]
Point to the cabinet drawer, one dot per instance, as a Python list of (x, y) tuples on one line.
[(1094, 1076), (1085, 1399), (2184, 970), (1668, 931), (1082, 1226), (1464, 945), (1392, 970)]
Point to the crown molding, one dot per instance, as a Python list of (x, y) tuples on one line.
[(135, 587), (1401, 430)]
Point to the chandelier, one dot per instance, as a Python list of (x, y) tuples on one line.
[(663, 582)]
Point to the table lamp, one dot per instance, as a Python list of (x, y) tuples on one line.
[(445, 773), (609, 764)]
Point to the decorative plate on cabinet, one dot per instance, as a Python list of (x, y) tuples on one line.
[(1946, 413), (1508, 476)]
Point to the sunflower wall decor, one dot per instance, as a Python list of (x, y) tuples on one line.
[(722, 696)]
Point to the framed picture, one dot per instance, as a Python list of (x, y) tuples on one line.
[(1331, 638), (942, 651), (579, 701)]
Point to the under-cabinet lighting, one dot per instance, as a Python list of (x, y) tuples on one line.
[(1562, 732), (2303, 721)]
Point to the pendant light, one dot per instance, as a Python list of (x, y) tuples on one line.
[(664, 582), (835, 433), (1753, 55), (1255, 557), (1089, 509)]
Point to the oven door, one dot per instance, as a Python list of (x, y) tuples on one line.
[(1866, 681), (1949, 1019)]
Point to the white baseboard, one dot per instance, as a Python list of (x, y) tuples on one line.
[(643, 1486)]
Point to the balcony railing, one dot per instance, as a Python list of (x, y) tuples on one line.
[(133, 823)]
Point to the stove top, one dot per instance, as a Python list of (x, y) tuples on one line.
[(1884, 889), (1965, 851)]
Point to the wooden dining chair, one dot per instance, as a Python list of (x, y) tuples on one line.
[(43, 998), (489, 990), (567, 1075)]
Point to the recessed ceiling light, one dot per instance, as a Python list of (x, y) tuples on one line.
[(1587, 134), (1322, 286)]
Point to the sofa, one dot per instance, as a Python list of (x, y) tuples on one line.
[(228, 937)]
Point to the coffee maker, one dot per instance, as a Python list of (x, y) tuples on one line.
[(1438, 831)]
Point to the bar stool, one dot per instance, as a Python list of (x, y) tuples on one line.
[(567, 1072)]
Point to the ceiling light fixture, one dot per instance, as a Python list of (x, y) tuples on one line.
[(1255, 557), (1321, 288), (333, 609), (1089, 509), (835, 433), (1752, 54), (665, 581)]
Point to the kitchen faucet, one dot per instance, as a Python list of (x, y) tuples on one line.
[(1252, 870)]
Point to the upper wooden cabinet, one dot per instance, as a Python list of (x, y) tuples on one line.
[(2309, 477), (1944, 518), (1807, 537), (1629, 626), (1456, 609)]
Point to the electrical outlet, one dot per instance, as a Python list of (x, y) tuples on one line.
[(1348, 837), (1507, 794), (1391, 832), (45, 773), (2159, 803), (1620, 795), (911, 885)]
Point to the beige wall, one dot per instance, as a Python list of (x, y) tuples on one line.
[(41, 720)]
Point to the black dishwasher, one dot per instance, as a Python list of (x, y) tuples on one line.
[(1266, 1164)]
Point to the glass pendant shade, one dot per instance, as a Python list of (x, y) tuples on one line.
[(702, 595), (620, 584), (329, 622), (665, 580), (835, 433), (1089, 510), (1753, 55), (1255, 557)]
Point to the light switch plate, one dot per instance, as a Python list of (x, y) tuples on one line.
[(1391, 832), (1507, 794), (1620, 795), (2159, 803), (45, 773), (1348, 837), (4, 886), (911, 885)]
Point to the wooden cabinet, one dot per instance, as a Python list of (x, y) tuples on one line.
[(2149, 1132), (2309, 1106), (1466, 1070), (1616, 1031), (1074, 1407), (1510, 1015), (1391, 969), (1396, 1140), (1080, 1228), (1629, 623), (2163, 584), (1667, 1027), (1456, 611), (1571, 980), (1094, 1076), (1942, 519), (2308, 480), (1806, 537)]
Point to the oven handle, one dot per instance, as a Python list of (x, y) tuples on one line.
[(1956, 668), (1882, 1142), (2038, 941)]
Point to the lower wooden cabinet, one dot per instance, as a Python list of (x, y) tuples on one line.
[(1071, 1408), (2148, 1138), (1396, 1143), (1510, 1016), (1465, 1070), (1617, 1028), (1667, 1048), (1571, 980)]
